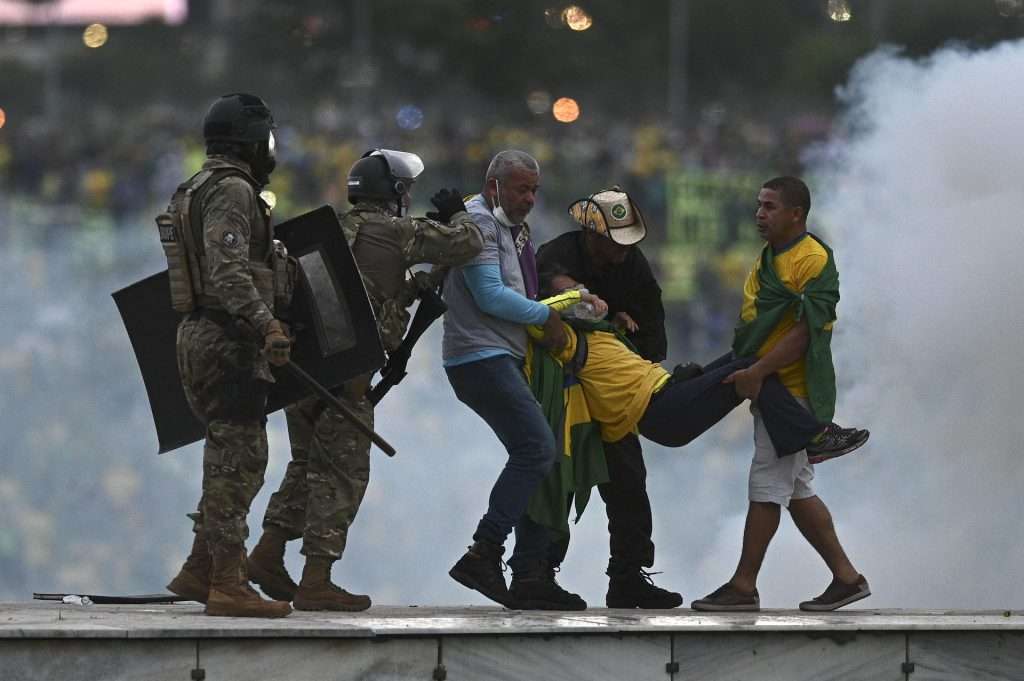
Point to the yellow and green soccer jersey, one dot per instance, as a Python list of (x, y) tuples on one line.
[(617, 382), (797, 265)]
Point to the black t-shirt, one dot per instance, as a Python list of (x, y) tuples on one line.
[(629, 287)]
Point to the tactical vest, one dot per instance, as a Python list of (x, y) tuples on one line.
[(182, 237), (382, 265)]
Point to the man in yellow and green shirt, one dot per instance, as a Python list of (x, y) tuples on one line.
[(785, 325)]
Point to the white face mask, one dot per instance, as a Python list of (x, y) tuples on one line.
[(499, 212)]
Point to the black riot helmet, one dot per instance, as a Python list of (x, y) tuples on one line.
[(238, 117), (383, 175), (243, 123)]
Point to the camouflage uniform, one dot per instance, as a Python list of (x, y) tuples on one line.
[(225, 377), (330, 466)]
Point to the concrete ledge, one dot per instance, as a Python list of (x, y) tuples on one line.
[(56, 620), (179, 643)]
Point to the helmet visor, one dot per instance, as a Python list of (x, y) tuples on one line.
[(402, 164)]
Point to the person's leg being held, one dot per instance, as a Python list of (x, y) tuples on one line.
[(790, 424), (681, 411)]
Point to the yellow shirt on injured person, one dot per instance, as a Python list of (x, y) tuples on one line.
[(796, 265), (617, 382)]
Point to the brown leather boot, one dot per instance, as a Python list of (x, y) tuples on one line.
[(266, 566), (193, 580), (230, 593), (316, 592)]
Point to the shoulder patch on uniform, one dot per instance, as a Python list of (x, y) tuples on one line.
[(230, 238)]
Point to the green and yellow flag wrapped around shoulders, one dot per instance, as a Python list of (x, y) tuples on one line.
[(817, 304), (582, 463)]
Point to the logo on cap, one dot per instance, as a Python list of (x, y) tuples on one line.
[(618, 211)]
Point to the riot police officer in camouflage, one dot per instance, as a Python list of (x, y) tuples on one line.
[(234, 283), (330, 467)]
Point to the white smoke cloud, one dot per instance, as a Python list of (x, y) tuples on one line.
[(922, 195), (920, 192)]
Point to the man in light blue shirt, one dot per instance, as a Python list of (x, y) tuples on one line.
[(490, 300)]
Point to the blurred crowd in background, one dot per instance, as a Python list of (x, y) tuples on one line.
[(687, 104)]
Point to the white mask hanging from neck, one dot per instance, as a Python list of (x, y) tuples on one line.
[(499, 213)]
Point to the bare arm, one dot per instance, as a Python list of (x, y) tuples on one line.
[(789, 349)]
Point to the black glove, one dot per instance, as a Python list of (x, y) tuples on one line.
[(448, 202)]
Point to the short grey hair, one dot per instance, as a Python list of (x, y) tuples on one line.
[(504, 162)]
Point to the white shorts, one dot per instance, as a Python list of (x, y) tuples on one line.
[(775, 479)]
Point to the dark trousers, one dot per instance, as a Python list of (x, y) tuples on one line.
[(683, 410), (496, 389), (627, 505)]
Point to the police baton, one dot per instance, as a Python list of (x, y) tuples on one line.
[(325, 394)]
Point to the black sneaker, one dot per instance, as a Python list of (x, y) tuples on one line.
[(538, 590), (727, 598), (481, 569), (636, 589), (835, 441), (837, 595)]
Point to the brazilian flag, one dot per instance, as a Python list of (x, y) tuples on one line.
[(581, 465), (817, 304)]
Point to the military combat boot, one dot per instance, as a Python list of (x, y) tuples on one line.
[(481, 569), (630, 586), (535, 588), (230, 593), (316, 592), (193, 580), (266, 566)]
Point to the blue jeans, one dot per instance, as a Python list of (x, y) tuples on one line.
[(496, 389)]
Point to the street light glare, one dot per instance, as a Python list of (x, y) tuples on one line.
[(839, 10), (565, 110), (95, 35), (576, 18)]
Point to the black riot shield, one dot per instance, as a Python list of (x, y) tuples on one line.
[(335, 328)]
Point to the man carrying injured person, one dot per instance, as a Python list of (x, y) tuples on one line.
[(625, 392)]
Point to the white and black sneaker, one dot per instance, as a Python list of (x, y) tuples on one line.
[(835, 441)]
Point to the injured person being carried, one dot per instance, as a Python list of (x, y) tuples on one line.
[(625, 392)]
